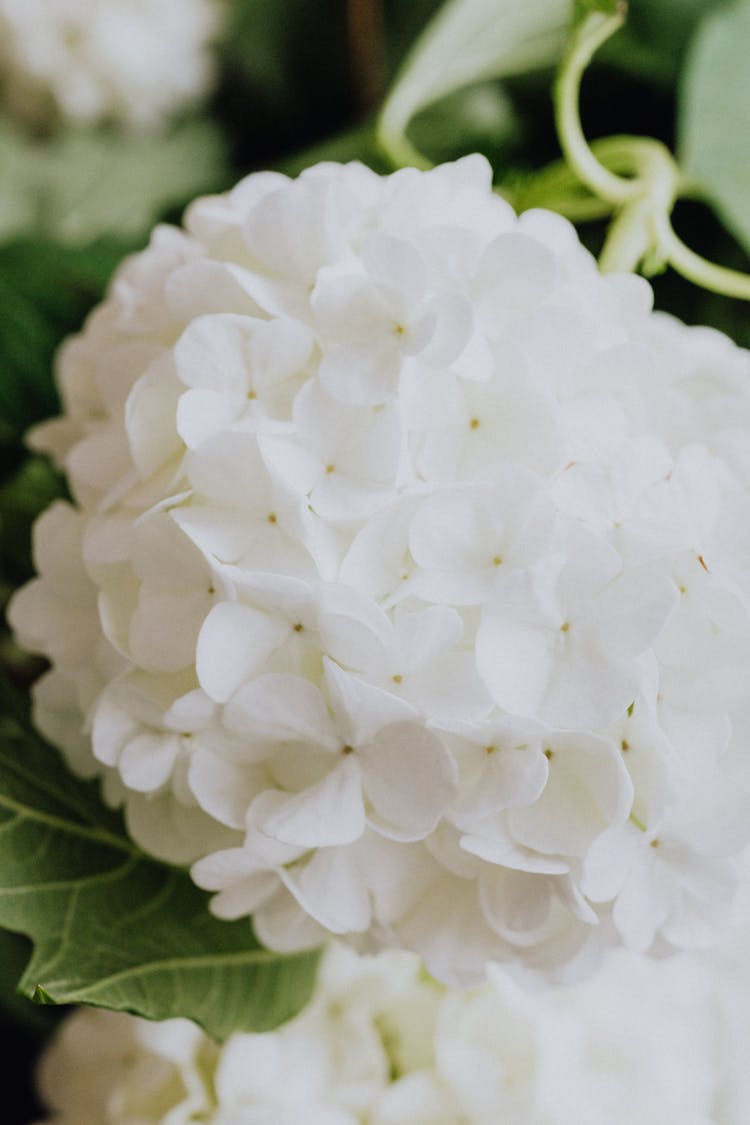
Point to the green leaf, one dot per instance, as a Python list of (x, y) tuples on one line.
[(470, 41), (584, 8), (405, 21), (286, 80), (14, 953), (479, 118), (714, 140), (82, 184), (45, 292), (115, 929), (652, 43), (26, 494)]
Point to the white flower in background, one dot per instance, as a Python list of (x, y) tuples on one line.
[(383, 1044), (410, 555), (136, 62)]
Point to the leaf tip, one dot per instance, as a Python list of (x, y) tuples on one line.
[(41, 996)]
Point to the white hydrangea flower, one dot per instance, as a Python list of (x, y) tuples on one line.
[(136, 62), (381, 1043), (416, 591)]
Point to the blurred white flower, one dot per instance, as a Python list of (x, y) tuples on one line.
[(135, 62), (383, 1044), (414, 606)]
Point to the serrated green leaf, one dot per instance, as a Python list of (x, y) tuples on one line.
[(115, 929), (471, 41), (714, 140), (83, 184), (14, 953)]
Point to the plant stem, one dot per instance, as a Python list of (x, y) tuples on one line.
[(699, 270), (594, 31)]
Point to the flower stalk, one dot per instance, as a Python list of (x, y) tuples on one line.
[(641, 234)]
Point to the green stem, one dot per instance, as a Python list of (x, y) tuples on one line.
[(694, 267), (638, 823), (641, 233), (628, 240), (594, 31), (557, 188), (398, 149)]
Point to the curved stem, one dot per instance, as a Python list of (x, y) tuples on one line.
[(594, 31), (628, 240), (694, 267), (398, 148)]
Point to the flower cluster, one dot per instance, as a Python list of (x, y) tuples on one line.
[(406, 593), (382, 1044), (135, 62)]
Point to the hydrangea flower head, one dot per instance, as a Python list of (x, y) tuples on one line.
[(405, 592), (382, 1044), (135, 62)]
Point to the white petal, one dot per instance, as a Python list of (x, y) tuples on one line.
[(450, 689), (283, 925), (223, 789), (631, 612), (331, 889), (517, 271), (150, 418), (279, 708), (206, 287), (278, 349), (234, 644), (245, 897), (146, 762), (395, 263), (512, 776), (328, 813), (377, 557), (501, 850), (211, 353), (362, 373), (353, 631), (112, 728), (424, 635), (642, 905), (452, 323), (445, 533), (515, 661), (585, 689), (201, 414), (170, 831), (190, 712), (516, 904), (340, 499), (164, 628), (588, 789), (290, 463), (409, 778), (360, 708), (223, 869)]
